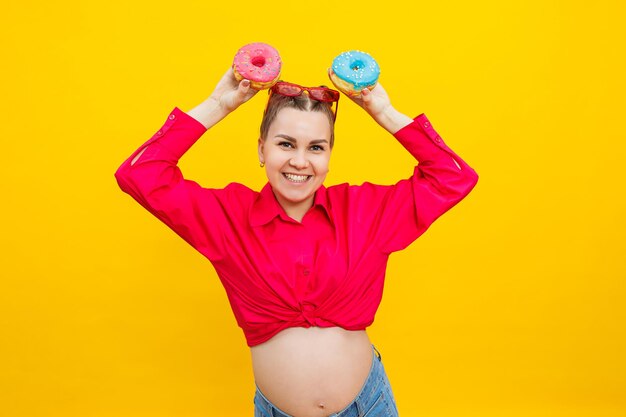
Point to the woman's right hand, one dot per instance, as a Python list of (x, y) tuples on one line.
[(227, 96), (230, 94)]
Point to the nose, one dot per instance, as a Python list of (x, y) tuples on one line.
[(299, 161)]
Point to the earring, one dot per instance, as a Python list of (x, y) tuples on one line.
[(262, 164)]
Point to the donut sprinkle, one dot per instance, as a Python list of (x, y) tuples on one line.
[(257, 62), (357, 68)]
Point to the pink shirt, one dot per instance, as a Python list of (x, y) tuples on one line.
[(326, 271)]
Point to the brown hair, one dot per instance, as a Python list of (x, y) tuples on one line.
[(277, 102)]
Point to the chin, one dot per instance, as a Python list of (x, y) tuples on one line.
[(296, 197)]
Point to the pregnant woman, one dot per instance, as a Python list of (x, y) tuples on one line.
[(302, 264)]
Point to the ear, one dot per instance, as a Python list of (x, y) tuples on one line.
[(260, 150)]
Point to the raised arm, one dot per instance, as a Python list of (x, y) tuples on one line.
[(395, 215), (227, 96), (151, 175)]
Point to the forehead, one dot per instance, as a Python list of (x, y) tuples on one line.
[(300, 124)]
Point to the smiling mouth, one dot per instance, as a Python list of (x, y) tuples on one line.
[(297, 178)]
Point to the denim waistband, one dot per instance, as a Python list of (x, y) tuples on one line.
[(363, 400)]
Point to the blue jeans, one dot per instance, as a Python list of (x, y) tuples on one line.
[(374, 400)]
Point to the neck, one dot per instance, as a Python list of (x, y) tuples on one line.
[(297, 210)]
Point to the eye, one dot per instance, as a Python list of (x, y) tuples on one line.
[(317, 148), (285, 144)]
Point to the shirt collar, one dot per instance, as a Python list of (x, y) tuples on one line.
[(266, 206)]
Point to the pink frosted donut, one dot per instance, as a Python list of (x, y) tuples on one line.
[(258, 62)]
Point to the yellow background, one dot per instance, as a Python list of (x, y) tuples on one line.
[(512, 304)]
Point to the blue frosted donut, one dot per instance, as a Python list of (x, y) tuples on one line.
[(353, 71)]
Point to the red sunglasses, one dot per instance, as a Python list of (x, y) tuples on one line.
[(321, 93)]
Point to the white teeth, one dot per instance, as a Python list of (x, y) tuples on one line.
[(297, 178)]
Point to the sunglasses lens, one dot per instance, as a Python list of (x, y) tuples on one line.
[(323, 94), (288, 89)]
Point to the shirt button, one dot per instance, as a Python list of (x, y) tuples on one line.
[(172, 116), (159, 132), (426, 124), (437, 139)]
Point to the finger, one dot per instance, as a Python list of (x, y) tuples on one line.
[(242, 89), (229, 76), (366, 95)]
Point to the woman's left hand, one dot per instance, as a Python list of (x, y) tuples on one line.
[(377, 104), (375, 101)]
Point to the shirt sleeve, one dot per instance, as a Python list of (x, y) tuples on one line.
[(401, 212), (151, 177)]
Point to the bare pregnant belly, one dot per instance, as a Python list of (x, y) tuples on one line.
[(314, 371)]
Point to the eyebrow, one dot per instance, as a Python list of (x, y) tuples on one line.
[(290, 139)]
